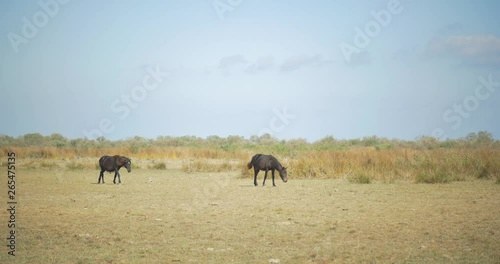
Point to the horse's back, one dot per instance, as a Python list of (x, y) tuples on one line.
[(256, 157), (267, 158), (103, 159), (106, 163), (262, 161)]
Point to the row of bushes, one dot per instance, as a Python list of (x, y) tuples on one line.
[(318, 160), (267, 142)]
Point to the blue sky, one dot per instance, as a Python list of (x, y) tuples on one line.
[(241, 67)]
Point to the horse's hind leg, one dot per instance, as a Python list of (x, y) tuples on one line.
[(265, 176), (101, 176)]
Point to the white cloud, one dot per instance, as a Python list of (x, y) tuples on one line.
[(297, 62), (231, 61), (262, 64), (238, 62), (479, 50)]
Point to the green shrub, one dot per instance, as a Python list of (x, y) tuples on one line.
[(244, 171), (359, 178), (160, 166), (49, 165), (482, 173), (204, 166), (74, 166), (432, 177)]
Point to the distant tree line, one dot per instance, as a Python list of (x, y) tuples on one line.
[(472, 140)]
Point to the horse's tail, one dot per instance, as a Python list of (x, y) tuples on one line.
[(254, 159)]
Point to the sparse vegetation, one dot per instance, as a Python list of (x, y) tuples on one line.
[(483, 173), (432, 177), (359, 178), (75, 166), (207, 166), (425, 160), (211, 217), (159, 166), (192, 187), (48, 164)]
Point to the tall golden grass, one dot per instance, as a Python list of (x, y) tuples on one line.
[(153, 152), (359, 164), (426, 166)]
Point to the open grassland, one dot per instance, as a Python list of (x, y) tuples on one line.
[(168, 214), (357, 164)]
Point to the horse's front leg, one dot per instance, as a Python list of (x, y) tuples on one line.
[(274, 185), (255, 177), (265, 176), (116, 174)]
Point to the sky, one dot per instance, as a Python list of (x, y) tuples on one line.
[(293, 69)]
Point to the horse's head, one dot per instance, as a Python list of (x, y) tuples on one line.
[(127, 162), (283, 174)]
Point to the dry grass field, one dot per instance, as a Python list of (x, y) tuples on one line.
[(173, 215)]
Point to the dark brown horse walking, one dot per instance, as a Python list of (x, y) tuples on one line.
[(113, 163), (266, 163)]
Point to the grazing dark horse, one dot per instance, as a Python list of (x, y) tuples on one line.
[(266, 163), (113, 163)]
